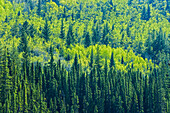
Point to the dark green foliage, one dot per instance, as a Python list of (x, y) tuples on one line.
[(62, 35), (64, 80), (39, 8), (112, 61), (32, 31), (31, 5), (105, 32), (24, 42), (91, 59), (130, 2), (167, 5), (96, 34), (148, 14), (46, 31), (128, 31), (122, 60), (143, 15), (56, 1), (70, 36), (87, 40), (102, 91)]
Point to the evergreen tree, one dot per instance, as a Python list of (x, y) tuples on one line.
[(112, 62), (87, 40), (167, 6), (130, 2), (148, 13), (62, 35), (143, 15), (128, 31), (91, 59), (122, 60), (32, 31), (39, 8), (46, 33), (57, 2), (70, 36), (5, 80)]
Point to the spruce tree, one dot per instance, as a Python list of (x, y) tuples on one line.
[(39, 8), (70, 36), (130, 2), (46, 33), (62, 35), (91, 59), (112, 61), (148, 13), (143, 15), (87, 40)]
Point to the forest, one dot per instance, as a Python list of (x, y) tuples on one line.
[(84, 56)]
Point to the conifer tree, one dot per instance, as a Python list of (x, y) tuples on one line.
[(167, 5), (130, 2), (57, 2), (4, 78), (91, 59), (39, 8), (122, 60), (128, 31), (87, 40), (143, 15), (62, 35), (98, 66), (148, 13), (46, 33), (112, 62), (70, 37), (51, 61), (32, 31)]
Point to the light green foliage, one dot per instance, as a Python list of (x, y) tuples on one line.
[(55, 56)]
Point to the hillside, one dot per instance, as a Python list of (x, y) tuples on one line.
[(84, 56)]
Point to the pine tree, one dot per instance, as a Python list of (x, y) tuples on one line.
[(39, 8), (149, 47), (130, 2), (111, 2), (57, 2), (51, 61), (128, 31), (98, 66), (91, 59), (148, 13), (70, 37), (150, 1), (25, 104), (46, 33), (15, 29), (4, 79), (31, 5), (105, 32), (94, 37), (87, 40), (134, 104), (51, 105), (112, 62), (62, 35), (122, 60), (145, 96), (143, 15), (24, 42), (95, 109), (32, 31), (167, 6)]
